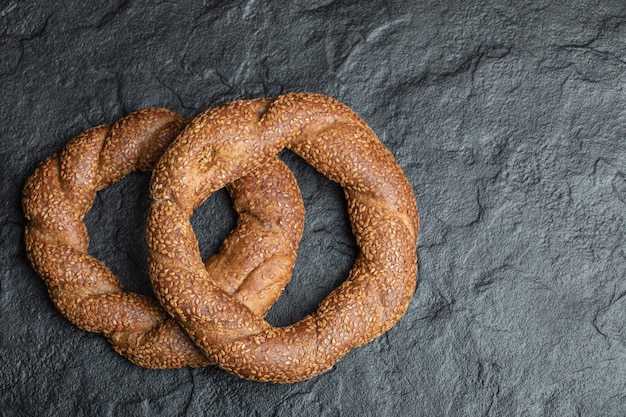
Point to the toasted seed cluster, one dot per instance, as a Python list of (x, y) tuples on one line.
[(226, 143), (253, 265)]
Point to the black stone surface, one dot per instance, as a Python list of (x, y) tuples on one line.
[(509, 119)]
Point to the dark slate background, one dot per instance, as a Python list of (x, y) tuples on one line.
[(509, 119)]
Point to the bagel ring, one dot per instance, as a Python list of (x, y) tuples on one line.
[(222, 144), (61, 191)]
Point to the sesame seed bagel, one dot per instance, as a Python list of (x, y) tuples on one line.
[(225, 143), (61, 191)]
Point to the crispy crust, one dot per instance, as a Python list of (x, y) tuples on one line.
[(225, 143), (61, 191)]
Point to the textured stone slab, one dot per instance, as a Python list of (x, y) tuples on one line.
[(509, 120)]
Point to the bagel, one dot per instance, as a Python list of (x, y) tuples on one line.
[(253, 265), (225, 143)]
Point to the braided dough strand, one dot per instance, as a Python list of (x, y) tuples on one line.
[(61, 191), (225, 143)]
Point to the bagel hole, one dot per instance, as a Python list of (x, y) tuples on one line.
[(212, 221), (327, 249), (117, 231)]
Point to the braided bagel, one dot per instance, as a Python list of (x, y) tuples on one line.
[(225, 143), (61, 191)]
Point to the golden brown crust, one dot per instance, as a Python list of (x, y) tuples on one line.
[(61, 191), (223, 144)]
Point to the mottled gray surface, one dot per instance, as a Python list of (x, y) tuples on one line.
[(509, 119)]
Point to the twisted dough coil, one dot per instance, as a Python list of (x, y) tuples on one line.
[(221, 145), (253, 265)]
